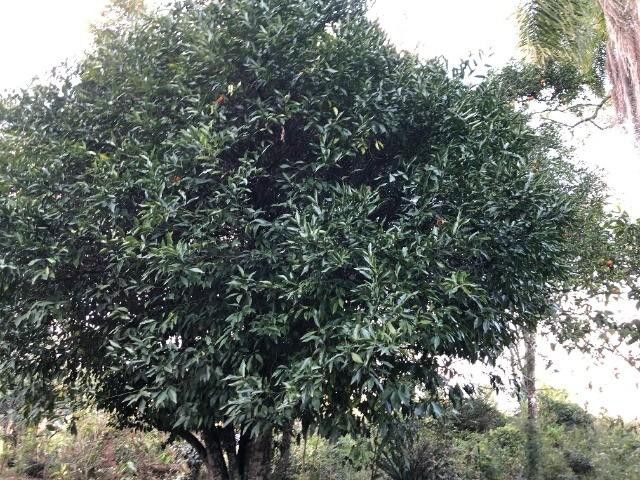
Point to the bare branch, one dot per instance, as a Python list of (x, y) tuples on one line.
[(589, 119)]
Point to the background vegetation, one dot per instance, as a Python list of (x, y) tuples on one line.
[(472, 442)]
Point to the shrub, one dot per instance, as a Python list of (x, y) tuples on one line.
[(320, 459), (579, 463), (508, 438), (415, 453), (555, 407), (95, 450), (475, 414)]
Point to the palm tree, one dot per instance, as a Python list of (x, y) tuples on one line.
[(600, 37)]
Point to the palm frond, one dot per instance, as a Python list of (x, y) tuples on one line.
[(571, 31)]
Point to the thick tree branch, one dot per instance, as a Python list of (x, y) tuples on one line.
[(192, 440)]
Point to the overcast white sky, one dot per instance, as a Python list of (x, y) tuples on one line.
[(35, 35)]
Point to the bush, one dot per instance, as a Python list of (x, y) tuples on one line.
[(416, 453), (579, 463), (476, 414), (508, 438), (95, 450), (320, 459), (499, 453), (555, 407)]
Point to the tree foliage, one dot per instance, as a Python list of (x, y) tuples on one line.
[(571, 33), (599, 37), (235, 214)]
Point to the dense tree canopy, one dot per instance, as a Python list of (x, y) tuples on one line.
[(235, 214)]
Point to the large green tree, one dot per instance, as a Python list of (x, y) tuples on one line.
[(237, 214)]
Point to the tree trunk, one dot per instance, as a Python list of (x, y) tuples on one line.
[(283, 467), (228, 458), (258, 458), (210, 453), (531, 429), (623, 57), (215, 469)]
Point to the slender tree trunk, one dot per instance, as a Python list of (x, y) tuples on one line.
[(531, 429), (623, 56)]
